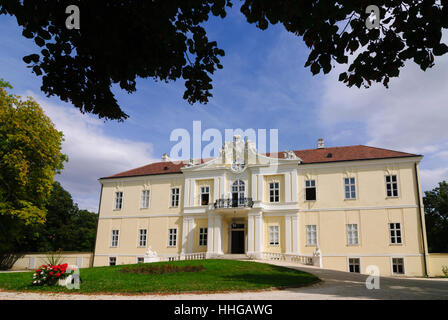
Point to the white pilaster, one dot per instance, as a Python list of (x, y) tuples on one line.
[(260, 188), (190, 240), (295, 234), (217, 233), (259, 236), (288, 234), (287, 187), (253, 187), (294, 187), (215, 189), (210, 233), (222, 188), (192, 192), (250, 234), (184, 234), (186, 193)]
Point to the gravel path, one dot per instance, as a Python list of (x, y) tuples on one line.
[(334, 285)]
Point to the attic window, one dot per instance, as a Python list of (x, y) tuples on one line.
[(330, 155), (165, 168)]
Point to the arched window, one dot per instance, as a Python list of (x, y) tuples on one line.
[(238, 188)]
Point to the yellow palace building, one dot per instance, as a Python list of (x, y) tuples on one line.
[(343, 208)]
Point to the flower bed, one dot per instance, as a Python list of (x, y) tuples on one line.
[(48, 274), (161, 269)]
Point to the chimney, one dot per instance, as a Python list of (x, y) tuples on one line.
[(320, 143), (165, 157)]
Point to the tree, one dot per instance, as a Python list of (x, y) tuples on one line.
[(119, 41), (66, 227), (30, 155), (436, 217)]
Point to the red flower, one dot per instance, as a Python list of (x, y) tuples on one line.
[(51, 273), (58, 274), (38, 270)]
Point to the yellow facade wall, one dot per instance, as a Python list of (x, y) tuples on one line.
[(436, 262)]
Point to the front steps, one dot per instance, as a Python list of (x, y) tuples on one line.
[(232, 257)]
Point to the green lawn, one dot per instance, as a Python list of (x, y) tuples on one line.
[(219, 275)]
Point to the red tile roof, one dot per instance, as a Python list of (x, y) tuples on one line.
[(332, 154)]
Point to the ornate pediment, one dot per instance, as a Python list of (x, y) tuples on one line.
[(238, 155)]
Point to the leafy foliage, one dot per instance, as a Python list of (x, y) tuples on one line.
[(67, 228), (436, 217), (30, 155), (121, 40)]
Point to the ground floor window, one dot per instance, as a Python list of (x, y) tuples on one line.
[(274, 235), (112, 261), (398, 265), (311, 235), (354, 265), (202, 236), (172, 237), (140, 260)]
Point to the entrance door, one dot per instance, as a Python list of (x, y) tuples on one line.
[(237, 241)]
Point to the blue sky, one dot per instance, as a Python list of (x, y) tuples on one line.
[(263, 85)]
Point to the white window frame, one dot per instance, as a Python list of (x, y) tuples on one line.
[(392, 265), (203, 233), (112, 239), (311, 184), (311, 229), (116, 202), (175, 197), (274, 235), (348, 264), (393, 233), (352, 188), (142, 238), (204, 190), (352, 234), (145, 199), (172, 237), (110, 258), (392, 183), (274, 190)]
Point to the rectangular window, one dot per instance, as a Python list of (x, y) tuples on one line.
[(118, 200), (398, 265), (172, 237), (310, 190), (274, 192), (354, 265), (175, 197), (274, 235), (202, 236), (145, 199), (395, 233), (352, 234), (350, 188), (140, 260), (205, 195), (311, 235), (391, 186), (114, 240), (142, 233), (112, 261)]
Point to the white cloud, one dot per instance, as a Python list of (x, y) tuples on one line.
[(410, 116), (431, 177), (92, 153)]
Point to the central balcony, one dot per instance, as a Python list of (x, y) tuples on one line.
[(233, 203)]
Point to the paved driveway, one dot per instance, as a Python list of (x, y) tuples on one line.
[(335, 285)]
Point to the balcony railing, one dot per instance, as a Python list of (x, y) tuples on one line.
[(233, 203)]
